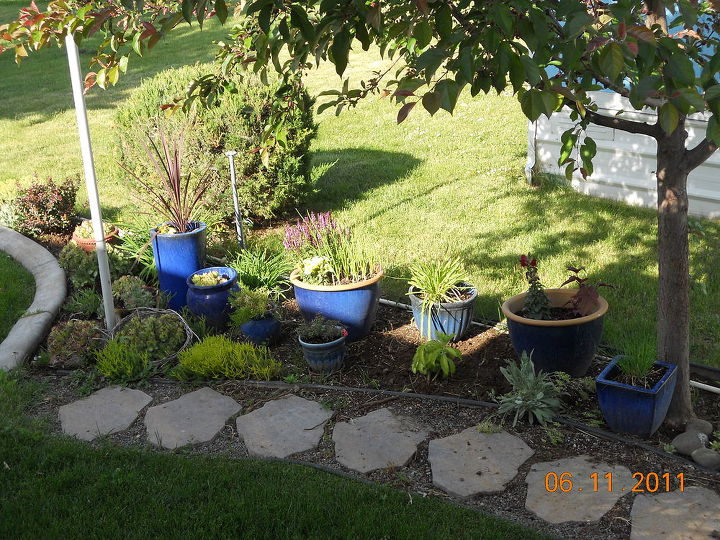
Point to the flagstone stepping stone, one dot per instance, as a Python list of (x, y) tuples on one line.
[(106, 411), (194, 418), (283, 427), (376, 441), (586, 500), (471, 462), (677, 515)]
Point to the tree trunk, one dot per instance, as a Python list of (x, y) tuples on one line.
[(656, 14), (673, 330)]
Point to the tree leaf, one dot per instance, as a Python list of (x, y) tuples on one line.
[(612, 60), (568, 140), (669, 118), (299, 19), (713, 130), (443, 21), (680, 69), (642, 33), (404, 111), (423, 34), (532, 71), (340, 50), (221, 10), (431, 102), (465, 63)]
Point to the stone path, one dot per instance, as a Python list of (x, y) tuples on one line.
[(464, 464)]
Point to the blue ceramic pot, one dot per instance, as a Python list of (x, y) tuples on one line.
[(176, 257), (262, 331), (211, 302), (452, 318), (354, 305), (632, 409), (568, 345), (324, 357)]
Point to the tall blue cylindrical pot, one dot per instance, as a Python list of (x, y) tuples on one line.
[(354, 305), (452, 318), (176, 257), (564, 345), (632, 409), (211, 301), (324, 357)]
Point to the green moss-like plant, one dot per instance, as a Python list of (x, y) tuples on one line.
[(82, 268), (73, 344), (132, 292), (218, 357), (122, 362), (159, 336), (247, 304)]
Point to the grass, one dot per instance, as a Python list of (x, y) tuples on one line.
[(60, 488), (429, 188), (17, 288)]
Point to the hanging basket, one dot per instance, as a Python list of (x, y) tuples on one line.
[(147, 313)]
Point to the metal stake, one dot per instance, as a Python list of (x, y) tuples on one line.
[(238, 218)]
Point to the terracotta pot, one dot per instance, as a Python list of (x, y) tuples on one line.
[(567, 345), (88, 244)]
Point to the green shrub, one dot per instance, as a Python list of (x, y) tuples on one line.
[(85, 303), (534, 395), (122, 362), (217, 357), (132, 292), (435, 357), (8, 214), (160, 336), (44, 208), (236, 123), (82, 268), (72, 344)]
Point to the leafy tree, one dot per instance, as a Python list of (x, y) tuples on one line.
[(661, 55)]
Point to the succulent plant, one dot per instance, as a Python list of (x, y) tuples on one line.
[(73, 344), (85, 230), (207, 279), (132, 292), (161, 336)]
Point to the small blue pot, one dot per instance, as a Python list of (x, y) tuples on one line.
[(263, 331), (353, 305), (452, 318), (631, 409), (211, 302), (567, 345), (324, 357), (176, 257)]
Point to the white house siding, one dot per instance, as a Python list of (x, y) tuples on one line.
[(624, 168)]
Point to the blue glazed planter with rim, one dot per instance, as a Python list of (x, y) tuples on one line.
[(633, 409), (566, 345), (211, 301), (452, 318), (324, 357), (261, 331), (176, 257), (354, 305)]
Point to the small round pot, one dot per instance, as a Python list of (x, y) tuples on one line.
[(324, 357), (354, 305), (261, 331), (452, 318), (567, 345), (176, 257), (211, 301), (88, 244)]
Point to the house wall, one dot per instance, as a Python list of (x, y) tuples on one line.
[(624, 167)]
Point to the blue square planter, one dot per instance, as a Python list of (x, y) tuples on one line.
[(631, 409)]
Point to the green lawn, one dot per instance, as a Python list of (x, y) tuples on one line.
[(428, 188), (17, 288), (60, 488)]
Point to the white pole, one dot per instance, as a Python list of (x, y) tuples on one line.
[(233, 181), (90, 181)]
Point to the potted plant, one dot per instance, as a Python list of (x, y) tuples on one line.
[(208, 294), (559, 328), (179, 242), (323, 344), (84, 235), (333, 277), (634, 393), (252, 312), (441, 298)]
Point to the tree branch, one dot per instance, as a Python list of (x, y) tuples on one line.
[(700, 154), (639, 128)]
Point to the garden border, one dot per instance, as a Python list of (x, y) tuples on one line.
[(50, 291)]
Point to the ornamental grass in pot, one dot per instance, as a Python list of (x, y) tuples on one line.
[(323, 344), (634, 393), (559, 328), (179, 242), (333, 276), (442, 300)]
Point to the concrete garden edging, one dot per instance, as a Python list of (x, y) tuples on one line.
[(50, 291)]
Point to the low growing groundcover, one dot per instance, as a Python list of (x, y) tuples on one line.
[(17, 288), (58, 488)]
